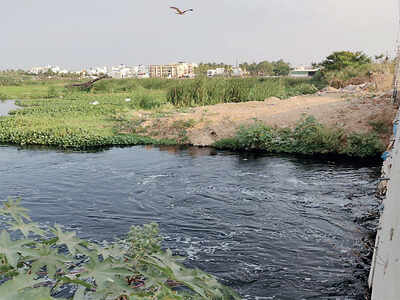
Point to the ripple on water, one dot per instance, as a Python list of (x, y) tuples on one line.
[(272, 227)]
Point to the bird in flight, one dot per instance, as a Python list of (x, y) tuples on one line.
[(180, 12)]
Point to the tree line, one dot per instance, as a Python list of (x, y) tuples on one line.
[(263, 68)]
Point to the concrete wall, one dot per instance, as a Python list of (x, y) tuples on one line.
[(385, 272)]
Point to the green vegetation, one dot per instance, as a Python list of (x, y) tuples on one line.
[(203, 91), (85, 122), (342, 59), (266, 68), (344, 67), (381, 126), (105, 115), (56, 115), (44, 260), (263, 68), (309, 137)]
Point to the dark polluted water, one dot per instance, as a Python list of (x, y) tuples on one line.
[(272, 227)]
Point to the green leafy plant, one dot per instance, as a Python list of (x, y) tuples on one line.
[(41, 260), (308, 137)]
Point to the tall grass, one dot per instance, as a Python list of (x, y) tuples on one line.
[(131, 85), (204, 91)]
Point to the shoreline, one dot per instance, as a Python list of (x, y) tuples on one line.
[(342, 115)]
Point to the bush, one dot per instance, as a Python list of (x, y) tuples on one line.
[(308, 137), (363, 145)]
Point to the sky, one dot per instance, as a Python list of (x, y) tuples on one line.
[(76, 34)]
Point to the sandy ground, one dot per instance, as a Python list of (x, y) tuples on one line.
[(204, 125)]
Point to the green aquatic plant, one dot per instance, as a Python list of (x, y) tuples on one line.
[(36, 265)]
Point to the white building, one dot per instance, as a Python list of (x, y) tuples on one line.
[(48, 68), (236, 71), (143, 71), (220, 71), (211, 72), (303, 71)]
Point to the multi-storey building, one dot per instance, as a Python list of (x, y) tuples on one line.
[(178, 70)]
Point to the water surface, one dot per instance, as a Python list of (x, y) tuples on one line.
[(6, 106), (272, 227)]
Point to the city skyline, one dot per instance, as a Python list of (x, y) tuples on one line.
[(75, 35)]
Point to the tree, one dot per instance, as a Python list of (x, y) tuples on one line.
[(340, 60), (281, 68), (265, 67)]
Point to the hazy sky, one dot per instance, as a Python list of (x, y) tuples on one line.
[(84, 33)]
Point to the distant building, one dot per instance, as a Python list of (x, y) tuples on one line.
[(220, 71), (122, 71), (164, 71), (142, 71), (211, 72), (237, 71), (303, 71), (41, 70), (177, 70)]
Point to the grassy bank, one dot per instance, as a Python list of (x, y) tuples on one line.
[(102, 116), (308, 137), (56, 115)]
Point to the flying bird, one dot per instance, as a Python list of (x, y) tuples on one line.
[(180, 12)]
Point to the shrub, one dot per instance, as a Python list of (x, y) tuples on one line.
[(363, 145), (44, 260), (308, 137)]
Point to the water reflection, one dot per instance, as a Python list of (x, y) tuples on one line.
[(192, 151)]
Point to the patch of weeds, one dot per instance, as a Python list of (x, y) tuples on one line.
[(3, 96), (131, 126), (180, 127), (380, 126), (184, 124), (52, 92), (309, 137)]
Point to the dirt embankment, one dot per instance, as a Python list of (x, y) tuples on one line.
[(349, 110)]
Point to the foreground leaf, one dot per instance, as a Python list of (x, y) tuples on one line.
[(68, 239), (14, 209), (12, 249), (105, 271), (47, 256), (19, 225), (21, 288)]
